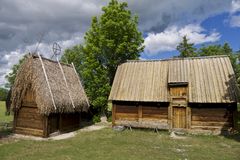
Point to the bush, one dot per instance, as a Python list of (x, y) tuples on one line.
[(109, 119), (96, 119)]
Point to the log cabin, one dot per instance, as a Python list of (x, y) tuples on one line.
[(190, 94), (47, 97)]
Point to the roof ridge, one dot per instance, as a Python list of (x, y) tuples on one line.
[(177, 58), (43, 58)]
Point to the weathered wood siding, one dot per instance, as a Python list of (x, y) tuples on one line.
[(211, 118), (27, 119), (146, 115), (179, 117)]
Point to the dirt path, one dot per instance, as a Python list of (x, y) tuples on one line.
[(93, 127)]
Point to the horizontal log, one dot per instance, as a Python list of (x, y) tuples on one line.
[(212, 128), (30, 116), (127, 116), (30, 124), (28, 131), (126, 109), (143, 124), (211, 118), (155, 116), (28, 110), (29, 104), (200, 123), (209, 110)]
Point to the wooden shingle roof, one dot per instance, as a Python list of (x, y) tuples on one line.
[(209, 79)]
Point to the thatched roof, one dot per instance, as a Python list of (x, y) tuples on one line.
[(31, 76), (209, 79)]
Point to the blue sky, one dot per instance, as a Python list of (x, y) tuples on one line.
[(162, 22), (219, 23)]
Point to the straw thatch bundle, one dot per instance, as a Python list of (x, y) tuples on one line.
[(31, 77)]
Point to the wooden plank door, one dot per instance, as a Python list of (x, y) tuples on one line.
[(178, 106), (179, 117)]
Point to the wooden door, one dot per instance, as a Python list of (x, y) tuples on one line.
[(178, 106), (179, 117)]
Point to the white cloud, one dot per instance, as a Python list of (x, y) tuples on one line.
[(44, 49), (66, 22), (170, 38), (235, 21), (234, 18), (235, 7)]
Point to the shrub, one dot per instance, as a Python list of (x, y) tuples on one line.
[(96, 119)]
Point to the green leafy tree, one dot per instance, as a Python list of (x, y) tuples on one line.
[(12, 75), (224, 49), (186, 49), (3, 94), (112, 39)]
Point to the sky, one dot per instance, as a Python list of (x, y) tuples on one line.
[(163, 23)]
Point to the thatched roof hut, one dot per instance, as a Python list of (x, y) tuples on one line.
[(51, 93), (189, 93), (31, 75)]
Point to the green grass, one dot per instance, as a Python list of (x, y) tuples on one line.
[(107, 144), (3, 117)]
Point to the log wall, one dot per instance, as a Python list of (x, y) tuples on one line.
[(215, 119), (145, 115), (29, 121)]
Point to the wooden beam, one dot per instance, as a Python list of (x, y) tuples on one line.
[(170, 116)]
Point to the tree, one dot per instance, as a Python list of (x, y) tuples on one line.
[(112, 39), (186, 49), (224, 49), (12, 75), (3, 94)]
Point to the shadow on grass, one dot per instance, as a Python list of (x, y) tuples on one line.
[(235, 136), (5, 132), (85, 123)]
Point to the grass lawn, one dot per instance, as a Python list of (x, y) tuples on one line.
[(136, 145), (107, 144), (3, 117)]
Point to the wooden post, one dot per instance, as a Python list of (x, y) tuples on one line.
[(113, 113), (170, 116)]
